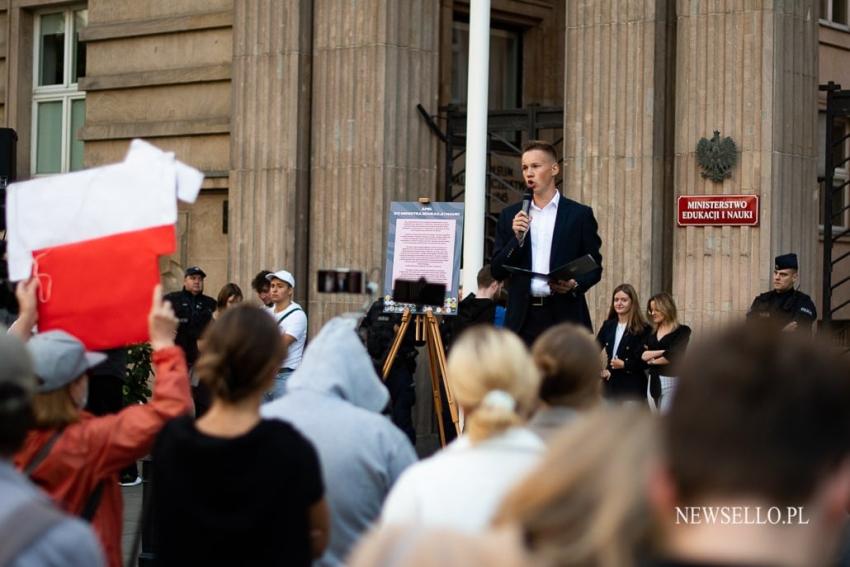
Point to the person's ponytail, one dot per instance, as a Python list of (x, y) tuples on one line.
[(493, 379), (495, 414)]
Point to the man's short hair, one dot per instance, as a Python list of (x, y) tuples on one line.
[(485, 277), (542, 146), (259, 283), (758, 413)]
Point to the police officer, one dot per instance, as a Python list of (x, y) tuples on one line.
[(380, 330), (788, 307), (194, 310)]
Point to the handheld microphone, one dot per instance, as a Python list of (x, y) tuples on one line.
[(526, 206)]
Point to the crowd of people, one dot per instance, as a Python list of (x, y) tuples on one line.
[(627, 447)]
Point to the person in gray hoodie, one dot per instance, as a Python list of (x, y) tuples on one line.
[(335, 399)]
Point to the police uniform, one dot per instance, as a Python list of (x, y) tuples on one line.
[(785, 307), (194, 313), (380, 331)]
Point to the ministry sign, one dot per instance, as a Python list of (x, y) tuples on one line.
[(718, 210)]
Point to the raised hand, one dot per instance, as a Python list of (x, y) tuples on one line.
[(162, 323)]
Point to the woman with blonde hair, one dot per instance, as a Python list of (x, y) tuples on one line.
[(495, 383), (664, 347), (595, 511), (622, 337)]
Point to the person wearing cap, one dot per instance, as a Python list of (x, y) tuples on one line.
[(194, 310), (33, 531), (785, 305), (74, 456), (292, 322)]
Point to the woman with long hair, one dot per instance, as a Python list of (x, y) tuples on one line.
[(587, 504), (622, 336), (495, 383), (664, 346), (76, 457), (232, 488), (230, 295)]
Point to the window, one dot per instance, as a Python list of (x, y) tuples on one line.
[(505, 61), (58, 107), (834, 11), (842, 174)]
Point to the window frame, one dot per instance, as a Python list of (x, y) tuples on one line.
[(66, 93), (826, 19), (504, 30), (841, 175)]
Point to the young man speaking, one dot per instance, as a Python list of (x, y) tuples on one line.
[(555, 231)]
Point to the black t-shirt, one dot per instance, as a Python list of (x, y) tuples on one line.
[(238, 501)]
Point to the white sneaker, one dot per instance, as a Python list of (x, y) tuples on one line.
[(135, 482)]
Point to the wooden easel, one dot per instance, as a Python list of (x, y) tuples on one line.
[(426, 325)]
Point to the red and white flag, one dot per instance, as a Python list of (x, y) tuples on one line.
[(93, 239)]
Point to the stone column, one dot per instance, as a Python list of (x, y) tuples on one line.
[(749, 70), (617, 119), (270, 140), (373, 61)]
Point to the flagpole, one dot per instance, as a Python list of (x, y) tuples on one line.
[(476, 143)]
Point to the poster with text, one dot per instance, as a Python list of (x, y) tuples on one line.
[(424, 242)]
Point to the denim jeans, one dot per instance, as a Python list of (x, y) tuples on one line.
[(279, 387)]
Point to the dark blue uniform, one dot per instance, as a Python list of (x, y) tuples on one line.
[(194, 313), (784, 308)]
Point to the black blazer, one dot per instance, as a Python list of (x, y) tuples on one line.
[(575, 234), (630, 348)]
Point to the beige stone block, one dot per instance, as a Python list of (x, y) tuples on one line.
[(173, 51), (207, 153), (156, 104), (109, 11)]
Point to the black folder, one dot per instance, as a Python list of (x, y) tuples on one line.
[(571, 270)]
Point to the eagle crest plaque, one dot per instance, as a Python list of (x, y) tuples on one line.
[(717, 157)]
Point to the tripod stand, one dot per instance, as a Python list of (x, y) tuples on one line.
[(426, 325)]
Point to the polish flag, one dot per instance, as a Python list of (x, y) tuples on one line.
[(93, 239)]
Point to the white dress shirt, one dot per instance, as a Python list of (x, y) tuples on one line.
[(542, 227)]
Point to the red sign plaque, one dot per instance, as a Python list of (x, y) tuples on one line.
[(718, 210)]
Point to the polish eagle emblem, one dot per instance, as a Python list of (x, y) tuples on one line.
[(717, 157)]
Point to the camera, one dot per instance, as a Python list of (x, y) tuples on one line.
[(419, 292), (340, 281)]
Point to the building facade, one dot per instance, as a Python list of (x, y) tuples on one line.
[(303, 116)]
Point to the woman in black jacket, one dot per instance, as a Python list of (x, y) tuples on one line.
[(622, 336), (664, 347)]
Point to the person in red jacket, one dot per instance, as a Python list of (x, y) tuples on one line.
[(76, 457)]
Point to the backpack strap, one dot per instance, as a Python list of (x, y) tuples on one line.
[(279, 321), (42, 453), (92, 502), (23, 526)]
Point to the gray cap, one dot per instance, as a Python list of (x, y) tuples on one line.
[(15, 362), (59, 359)]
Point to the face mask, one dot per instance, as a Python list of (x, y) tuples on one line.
[(83, 400)]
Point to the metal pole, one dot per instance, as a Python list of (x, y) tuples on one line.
[(829, 176), (476, 142)]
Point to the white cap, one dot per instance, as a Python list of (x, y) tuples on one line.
[(282, 275)]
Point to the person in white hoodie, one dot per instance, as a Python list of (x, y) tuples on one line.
[(334, 399), (495, 382)]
